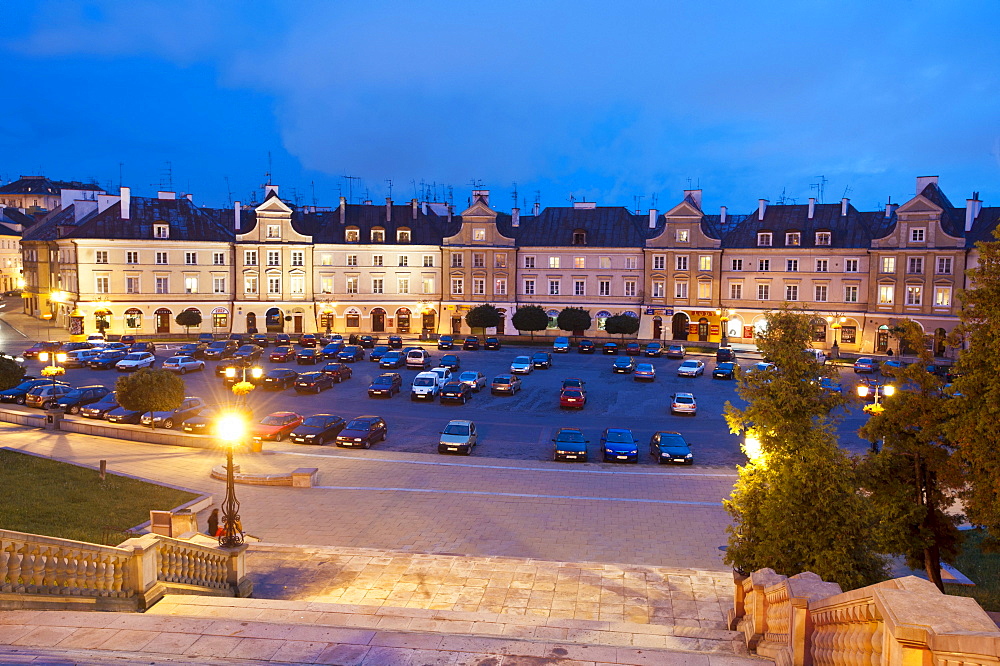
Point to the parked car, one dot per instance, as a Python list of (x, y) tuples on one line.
[(633, 348), (281, 354), (392, 359), (475, 379), (113, 346), (351, 354), (363, 431), (18, 393), (34, 350), (444, 375), (675, 351), (338, 371), (509, 384), (725, 355), (232, 371), (418, 358), (238, 338), (522, 365), (317, 429), (653, 349), (573, 398), (866, 364), (828, 384), (585, 347), (183, 364), (260, 339), (691, 368), (644, 372), (368, 341), (450, 361), (458, 436), (492, 343), (142, 347), (121, 415), (313, 382), (308, 340), (135, 361), (574, 382), (206, 338), (445, 342), (560, 345), (221, 349), (308, 356), (276, 426), (249, 354), (169, 419), (376, 354), (78, 398), (195, 349), (570, 444), (683, 403), (100, 409), (817, 355), (609, 348), (283, 339), (541, 360), (106, 359), (332, 349), (624, 364), (78, 358), (278, 378), (670, 447), (618, 444), (725, 370), (424, 386), (471, 343), (209, 416), (395, 342), (891, 366), (455, 391), (387, 384), (76, 346)]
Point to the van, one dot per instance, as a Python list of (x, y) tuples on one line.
[(424, 386), (817, 354), (418, 358), (443, 373)]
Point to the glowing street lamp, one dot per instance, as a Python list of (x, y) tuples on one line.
[(53, 370), (835, 323), (231, 429), (888, 390), (724, 314)]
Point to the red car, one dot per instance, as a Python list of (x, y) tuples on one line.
[(282, 355), (572, 397), (33, 350), (276, 426), (309, 341)]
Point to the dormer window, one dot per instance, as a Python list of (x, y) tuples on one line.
[(917, 235), (161, 231), (682, 236), (579, 237), (352, 235), (273, 231), (479, 234), (764, 239), (378, 235), (823, 238), (403, 235), (793, 239)]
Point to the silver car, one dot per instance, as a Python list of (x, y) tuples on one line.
[(182, 364), (683, 403), (475, 379), (458, 437), (522, 365)]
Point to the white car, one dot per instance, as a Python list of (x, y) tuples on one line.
[(683, 403), (444, 375), (691, 368), (475, 379), (135, 361), (522, 365), (182, 364), (424, 386), (761, 366)]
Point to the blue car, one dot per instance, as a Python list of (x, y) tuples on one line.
[(619, 445)]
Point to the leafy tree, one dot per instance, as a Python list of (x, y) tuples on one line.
[(621, 325), (530, 318), (914, 479), (11, 373), (798, 475), (573, 320), (976, 407), (483, 316), (149, 390), (188, 319)]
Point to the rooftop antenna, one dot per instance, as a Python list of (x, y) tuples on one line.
[(388, 182), (312, 184), (819, 187), (514, 196), (367, 195), (652, 201), (167, 174), (689, 184), (229, 191), (476, 183), (451, 196), (637, 199), (350, 186), (269, 168), (847, 190), (121, 172), (414, 184)]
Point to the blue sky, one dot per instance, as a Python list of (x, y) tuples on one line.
[(580, 100)]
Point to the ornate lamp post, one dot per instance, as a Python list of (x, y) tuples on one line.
[(242, 388), (52, 370), (724, 314), (326, 310), (231, 429), (835, 322)]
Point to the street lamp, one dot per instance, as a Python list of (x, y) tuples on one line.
[(243, 387), (231, 429), (724, 314), (835, 323), (52, 370), (326, 311), (888, 390)]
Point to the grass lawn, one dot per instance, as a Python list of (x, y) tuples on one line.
[(43, 496), (982, 568)]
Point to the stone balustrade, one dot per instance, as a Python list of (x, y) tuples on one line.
[(802, 620), (47, 572)]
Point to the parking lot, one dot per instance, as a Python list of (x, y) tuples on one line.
[(513, 427)]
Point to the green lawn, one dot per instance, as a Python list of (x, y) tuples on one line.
[(43, 496), (982, 568)]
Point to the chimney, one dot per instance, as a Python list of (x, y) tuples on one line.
[(761, 207), (236, 216), (482, 195), (451, 210), (367, 202), (343, 210), (653, 214), (812, 207), (515, 217), (536, 208), (924, 181), (423, 208), (972, 207), (413, 208), (166, 196), (695, 196), (722, 215), (388, 209), (189, 197), (106, 201), (270, 188), (126, 195), (843, 206), (888, 208)]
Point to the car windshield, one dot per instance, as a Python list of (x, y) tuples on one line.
[(449, 358), (108, 400), (315, 421), (382, 380), (357, 424), (570, 436), (468, 376), (456, 429), (133, 357), (644, 367), (672, 440), (176, 359), (274, 420), (573, 393), (454, 386), (75, 393), (423, 381), (684, 400), (540, 355), (280, 350), (502, 379), (218, 345), (26, 385), (689, 364), (619, 437), (522, 359), (623, 361), (309, 376)]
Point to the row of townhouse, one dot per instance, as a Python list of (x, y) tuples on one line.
[(131, 264)]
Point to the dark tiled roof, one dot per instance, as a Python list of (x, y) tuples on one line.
[(48, 227), (186, 220), (42, 185), (983, 227), (713, 226), (15, 216), (854, 230), (952, 219), (605, 227), (325, 227)]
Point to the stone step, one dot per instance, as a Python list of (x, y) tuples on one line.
[(101, 638)]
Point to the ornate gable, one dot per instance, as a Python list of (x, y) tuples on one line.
[(479, 209), (921, 205), (683, 209)]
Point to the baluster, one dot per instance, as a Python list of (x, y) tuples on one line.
[(30, 552), (118, 578), (59, 557), (187, 566), (875, 658), (93, 576), (4, 567), (103, 576), (70, 580), (198, 572), (50, 562)]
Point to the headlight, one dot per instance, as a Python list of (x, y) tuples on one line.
[(690, 455), (609, 450)]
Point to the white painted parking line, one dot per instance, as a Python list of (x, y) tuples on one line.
[(568, 468), (717, 505)]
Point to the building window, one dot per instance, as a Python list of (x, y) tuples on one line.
[(403, 285), (352, 284), (822, 265), (659, 262), (737, 265), (500, 260), (457, 286), (428, 285), (851, 265), (604, 262), (191, 258), (326, 284), (478, 260), (131, 285), (658, 289), (428, 261), (103, 285), (250, 257), (763, 265), (377, 285), (553, 287), (823, 238), (680, 290), (764, 239), (326, 259), (161, 231), (457, 261), (479, 234), (402, 235), (353, 320), (917, 235), (942, 297), (352, 234), (218, 285), (763, 292), (793, 238), (888, 265), (352, 260), (579, 238), (500, 287), (848, 335), (886, 293), (131, 257), (190, 284), (791, 265), (682, 236), (944, 265), (273, 231), (791, 292), (913, 295), (274, 257), (736, 290), (161, 257), (218, 258), (403, 260), (250, 284), (850, 294), (297, 285), (604, 287), (579, 288), (705, 262), (529, 262), (529, 287), (553, 262), (630, 263), (915, 265), (273, 285), (478, 286), (820, 293), (220, 319), (162, 285), (298, 258), (376, 260), (704, 290), (681, 262), (629, 287), (378, 235), (579, 262), (101, 257)]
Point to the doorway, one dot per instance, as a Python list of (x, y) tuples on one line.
[(702, 330), (378, 320), (273, 321), (162, 320), (251, 322), (403, 320), (940, 337), (680, 327), (882, 338), (456, 325), (428, 322), (297, 323), (657, 327)]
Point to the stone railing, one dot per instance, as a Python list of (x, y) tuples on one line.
[(804, 620), (46, 572)]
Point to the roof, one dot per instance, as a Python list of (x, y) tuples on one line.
[(604, 227), (983, 227), (952, 219), (187, 221), (47, 228), (326, 227), (42, 185), (854, 230)]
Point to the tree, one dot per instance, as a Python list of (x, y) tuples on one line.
[(149, 390), (914, 478), (188, 319), (977, 393), (530, 318), (483, 316), (574, 320), (11, 373), (797, 474), (621, 325)]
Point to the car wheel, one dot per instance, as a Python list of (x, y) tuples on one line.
[(168, 424), (46, 405), (367, 444), (280, 436), (317, 390), (463, 400), (75, 409), (19, 400), (385, 433), (183, 371)]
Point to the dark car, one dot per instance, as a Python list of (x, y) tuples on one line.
[(395, 342), (173, 418), (283, 339), (541, 360), (222, 366), (351, 353), (585, 347), (368, 341), (385, 384), (195, 349), (203, 423), (363, 431), (618, 444), (332, 349), (317, 429), (624, 364), (34, 350), (570, 444), (456, 392), (260, 339), (313, 382), (866, 364), (206, 338), (726, 370), (376, 354), (279, 378), (238, 338), (446, 342), (308, 340), (609, 348), (142, 347), (17, 394), (492, 343), (221, 349), (471, 343), (653, 349), (725, 354), (282, 354), (248, 353), (450, 361), (126, 339), (72, 402), (392, 359), (892, 366), (308, 356), (100, 409), (338, 371), (122, 415), (633, 348), (509, 384), (670, 447), (675, 351), (74, 346), (106, 359)]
